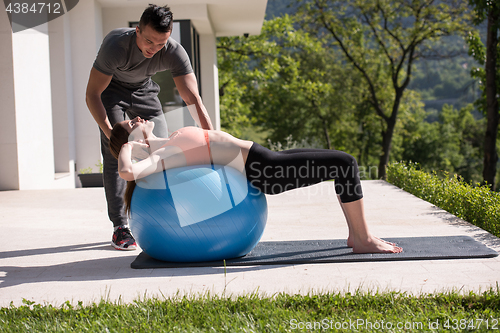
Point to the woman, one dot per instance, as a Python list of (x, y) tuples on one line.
[(268, 171)]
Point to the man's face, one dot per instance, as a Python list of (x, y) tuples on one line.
[(150, 41)]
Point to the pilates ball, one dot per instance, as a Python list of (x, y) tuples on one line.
[(197, 214)]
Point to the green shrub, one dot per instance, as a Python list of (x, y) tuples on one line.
[(475, 204)]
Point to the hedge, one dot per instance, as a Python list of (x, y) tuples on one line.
[(473, 203)]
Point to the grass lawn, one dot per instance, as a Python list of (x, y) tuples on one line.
[(356, 312)]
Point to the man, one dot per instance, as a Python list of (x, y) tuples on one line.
[(120, 84)]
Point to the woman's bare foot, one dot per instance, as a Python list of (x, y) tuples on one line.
[(374, 245), (350, 242)]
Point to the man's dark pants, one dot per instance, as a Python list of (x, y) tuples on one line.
[(120, 102)]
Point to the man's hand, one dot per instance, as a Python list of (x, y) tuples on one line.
[(188, 89)]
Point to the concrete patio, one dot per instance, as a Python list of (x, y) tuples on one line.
[(56, 249)]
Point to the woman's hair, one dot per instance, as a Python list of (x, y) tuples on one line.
[(159, 18), (127, 197), (119, 136)]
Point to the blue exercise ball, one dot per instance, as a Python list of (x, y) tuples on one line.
[(197, 213)]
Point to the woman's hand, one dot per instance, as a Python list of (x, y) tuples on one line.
[(159, 160), (147, 164), (139, 149)]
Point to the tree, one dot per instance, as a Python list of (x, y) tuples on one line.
[(285, 81), (234, 83), (453, 143), (490, 77), (381, 39)]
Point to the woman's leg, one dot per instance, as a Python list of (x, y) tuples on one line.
[(276, 172), (350, 237), (273, 172), (360, 238)]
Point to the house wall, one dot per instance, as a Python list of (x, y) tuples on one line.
[(63, 119), (32, 85), (27, 140), (9, 175), (210, 77), (85, 25)]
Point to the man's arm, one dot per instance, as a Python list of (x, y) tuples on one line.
[(188, 89), (96, 85)]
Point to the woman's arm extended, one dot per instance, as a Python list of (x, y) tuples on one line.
[(161, 159)]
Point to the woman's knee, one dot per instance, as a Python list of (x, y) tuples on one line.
[(348, 165)]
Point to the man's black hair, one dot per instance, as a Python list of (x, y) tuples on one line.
[(159, 18)]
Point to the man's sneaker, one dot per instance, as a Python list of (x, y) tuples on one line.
[(123, 239)]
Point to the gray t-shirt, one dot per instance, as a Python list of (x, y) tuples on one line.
[(120, 56)]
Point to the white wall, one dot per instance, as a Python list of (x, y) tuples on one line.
[(62, 101), (86, 36), (33, 108), (210, 77), (119, 17), (9, 176), (27, 143)]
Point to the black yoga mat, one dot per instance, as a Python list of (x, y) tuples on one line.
[(336, 251)]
